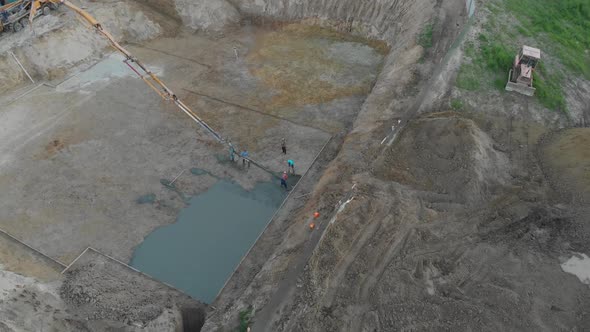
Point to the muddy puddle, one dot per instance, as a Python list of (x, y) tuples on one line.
[(198, 253)]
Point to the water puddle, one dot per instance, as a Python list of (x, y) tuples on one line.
[(470, 7), (199, 252), (578, 265)]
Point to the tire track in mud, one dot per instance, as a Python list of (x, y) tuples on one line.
[(342, 267), (369, 282), (287, 286), (428, 93)]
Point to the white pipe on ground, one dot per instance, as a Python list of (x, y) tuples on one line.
[(21, 66), (176, 178)]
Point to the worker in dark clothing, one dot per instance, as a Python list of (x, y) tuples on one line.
[(284, 146), (284, 180), (232, 152), (245, 159)]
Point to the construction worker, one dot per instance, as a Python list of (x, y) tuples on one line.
[(284, 145), (284, 180), (291, 165), (245, 159), (232, 152)]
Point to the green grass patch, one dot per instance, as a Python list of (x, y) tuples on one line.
[(490, 63), (482, 38), (560, 29), (245, 317), (566, 23), (425, 38), (468, 77), (549, 90), (469, 49), (496, 56), (495, 9), (457, 104), (523, 31)]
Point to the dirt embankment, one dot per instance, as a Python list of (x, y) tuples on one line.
[(448, 155), (97, 294), (566, 159), (270, 287), (102, 290)]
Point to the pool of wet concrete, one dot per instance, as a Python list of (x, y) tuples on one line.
[(198, 253)]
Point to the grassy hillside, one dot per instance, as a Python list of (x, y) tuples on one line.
[(563, 26), (560, 28)]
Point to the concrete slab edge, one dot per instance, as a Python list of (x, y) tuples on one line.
[(74, 261), (62, 265)]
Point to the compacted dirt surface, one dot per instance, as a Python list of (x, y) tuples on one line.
[(431, 217)]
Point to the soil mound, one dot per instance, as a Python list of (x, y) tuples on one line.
[(566, 160), (446, 154), (102, 290)]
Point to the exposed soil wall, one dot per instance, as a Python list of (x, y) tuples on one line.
[(463, 164), (165, 7)]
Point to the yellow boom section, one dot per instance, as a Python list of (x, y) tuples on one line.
[(146, 75)]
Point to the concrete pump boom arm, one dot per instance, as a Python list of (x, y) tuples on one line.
[(148, 77)]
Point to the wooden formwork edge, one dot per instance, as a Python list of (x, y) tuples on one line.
[(33, 249)]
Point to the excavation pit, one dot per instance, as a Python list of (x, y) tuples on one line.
[(82, 163)]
